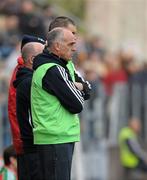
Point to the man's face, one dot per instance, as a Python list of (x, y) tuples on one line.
[(67, 47), (72, 28)]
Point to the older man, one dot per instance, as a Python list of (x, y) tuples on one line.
[(55, 102)]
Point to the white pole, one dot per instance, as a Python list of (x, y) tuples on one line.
[(78, 162)]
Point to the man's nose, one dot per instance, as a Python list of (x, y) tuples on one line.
[(74, 48)]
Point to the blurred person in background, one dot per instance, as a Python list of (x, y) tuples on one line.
[(92, 128), (48, 15), (10, 7), (9, 36), (116, 73), (132, 156), (9, 170), (17, 136), (89, 120), (30, 20), (97, 46), (10, 41)]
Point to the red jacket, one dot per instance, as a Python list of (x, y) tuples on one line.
[(17, 142)]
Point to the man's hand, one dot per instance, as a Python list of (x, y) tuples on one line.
[(79, 85)]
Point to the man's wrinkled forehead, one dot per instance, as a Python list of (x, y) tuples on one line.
[(69, 36)]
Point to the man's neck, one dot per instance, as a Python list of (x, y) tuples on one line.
[(27, 65), (53, 51)]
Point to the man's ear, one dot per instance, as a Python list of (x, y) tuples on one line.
[(57, 46), (31, 60)]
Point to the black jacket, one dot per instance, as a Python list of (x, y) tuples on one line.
[(57, 81), (23, 107)]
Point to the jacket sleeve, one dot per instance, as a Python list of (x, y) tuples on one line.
[(86, 85), (136, 149), (57, 83)]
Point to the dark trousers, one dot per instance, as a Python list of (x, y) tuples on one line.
[(28, 166), (142, 166), (130, 173), (55, 161)]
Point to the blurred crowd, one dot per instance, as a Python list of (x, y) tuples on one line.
[(116, 76)]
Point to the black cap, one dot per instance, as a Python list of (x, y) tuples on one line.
[(27, 39)]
